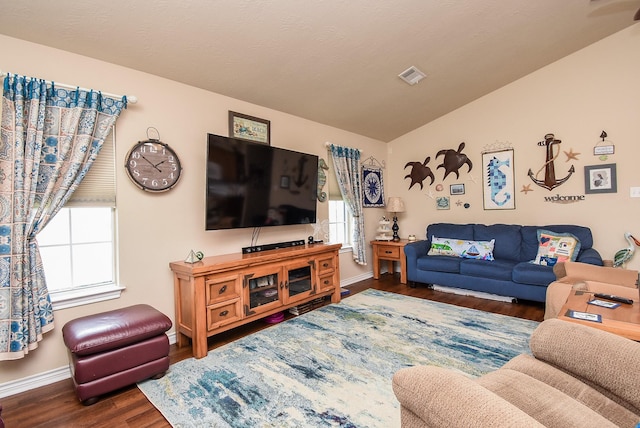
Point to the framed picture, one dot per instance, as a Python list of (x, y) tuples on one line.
[(249, 128), (600, 179), (497, 183), (372, 189), (456, 189), (443, 203)]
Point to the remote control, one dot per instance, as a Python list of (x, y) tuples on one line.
[(614, 298)]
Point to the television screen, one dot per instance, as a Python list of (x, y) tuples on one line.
[(254, 185)]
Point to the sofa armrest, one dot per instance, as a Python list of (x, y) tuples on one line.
[(416, 249), (591, 256), (576, 271), (600, 358), (445, 398), (412, 251)]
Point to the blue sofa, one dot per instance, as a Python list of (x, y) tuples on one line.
[(510, 274)]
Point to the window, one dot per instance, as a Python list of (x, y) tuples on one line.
[(340, 223), (78, 246)]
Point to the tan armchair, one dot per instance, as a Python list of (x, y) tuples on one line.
[(577, 376), (583, 276)]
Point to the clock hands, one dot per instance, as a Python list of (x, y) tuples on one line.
[(156, 165), (151, 163)]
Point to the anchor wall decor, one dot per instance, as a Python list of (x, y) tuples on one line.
[(550, 181)]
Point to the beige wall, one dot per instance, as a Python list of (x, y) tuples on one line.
[(155, 229), (575, 98)]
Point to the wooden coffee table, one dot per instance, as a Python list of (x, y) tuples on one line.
[(623, 320)]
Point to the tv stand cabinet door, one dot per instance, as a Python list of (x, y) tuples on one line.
[(300, 283), (263, 290)]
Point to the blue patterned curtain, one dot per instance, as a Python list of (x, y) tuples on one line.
[(49, 139), (347, 166)]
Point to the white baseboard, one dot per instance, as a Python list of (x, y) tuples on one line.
[(31, 382), (354, 279), (46, 378)]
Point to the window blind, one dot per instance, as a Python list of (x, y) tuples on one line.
[(99, 185)]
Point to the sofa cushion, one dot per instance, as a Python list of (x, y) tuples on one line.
[(542, 402), (531, 273), (573, 387), (458, 231), (440, 264), (529, 247), (482, 250), (444, 247), (114, 329), (508, 239), (497, 269), (556, 247), (568, 345)]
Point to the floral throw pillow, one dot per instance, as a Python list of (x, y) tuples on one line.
[(556, 247), (482, 250)]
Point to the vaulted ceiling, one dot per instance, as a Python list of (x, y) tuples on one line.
[(331, 61)]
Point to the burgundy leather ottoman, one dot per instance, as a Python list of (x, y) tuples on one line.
[(110, 350)]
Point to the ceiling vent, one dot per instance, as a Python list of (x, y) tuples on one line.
[(412, 75)]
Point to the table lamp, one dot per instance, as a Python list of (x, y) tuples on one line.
[(395, 205)]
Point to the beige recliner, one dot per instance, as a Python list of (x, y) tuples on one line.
[(583, 276), (577, 376)]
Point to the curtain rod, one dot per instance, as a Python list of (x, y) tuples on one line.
[(130, 98), (328, 146)]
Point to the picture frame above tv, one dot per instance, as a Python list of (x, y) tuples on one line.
[(250, 128)]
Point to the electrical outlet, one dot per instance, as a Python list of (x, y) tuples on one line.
[(634, 192)]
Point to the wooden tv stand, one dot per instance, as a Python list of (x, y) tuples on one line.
[(221, 292)]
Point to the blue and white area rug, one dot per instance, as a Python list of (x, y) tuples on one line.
[(333, 366)]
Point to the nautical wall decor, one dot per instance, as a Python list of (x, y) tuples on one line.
[(498, 184), (443, 203), (603, 150), (526, 188), (419, 172), (322, 179), (453, 161), (600, 179), (372, 189), (550, 180)]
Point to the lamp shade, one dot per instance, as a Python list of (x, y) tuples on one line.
[(395, 205)]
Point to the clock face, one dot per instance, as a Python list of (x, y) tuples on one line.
[(153, 166)]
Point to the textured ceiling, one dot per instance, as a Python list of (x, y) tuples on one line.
[(331, 61)]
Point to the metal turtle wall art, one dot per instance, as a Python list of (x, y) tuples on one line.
[(419, 172), (453, 161)]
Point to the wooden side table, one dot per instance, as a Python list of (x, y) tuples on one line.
[(392, 251), (623, 320)]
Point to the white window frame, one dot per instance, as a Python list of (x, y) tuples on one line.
[(347, 244), (86, 293)]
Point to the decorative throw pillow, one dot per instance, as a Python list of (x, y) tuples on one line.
[(556, 247), (482, 250)]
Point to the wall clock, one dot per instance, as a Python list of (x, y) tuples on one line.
[(153, 166)]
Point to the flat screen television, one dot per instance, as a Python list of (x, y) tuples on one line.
[(255, 185)]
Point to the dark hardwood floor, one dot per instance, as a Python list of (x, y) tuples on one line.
[(56, 405)]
